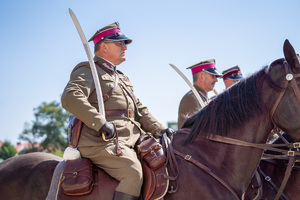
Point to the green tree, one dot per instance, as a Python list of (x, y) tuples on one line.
[(7, 150), (50, 127)]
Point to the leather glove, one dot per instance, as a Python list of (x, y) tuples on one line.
[(108, 129), (168, 131)]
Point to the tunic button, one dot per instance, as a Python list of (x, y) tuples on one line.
[(93, 124)]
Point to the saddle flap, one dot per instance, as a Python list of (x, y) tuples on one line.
[(155, 185), (149, 185)]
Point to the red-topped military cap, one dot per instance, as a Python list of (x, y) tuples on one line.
[(233, 73), (110, 32), (207, 66)]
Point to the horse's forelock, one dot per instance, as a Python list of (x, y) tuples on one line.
[(229, 110), (274, 64)]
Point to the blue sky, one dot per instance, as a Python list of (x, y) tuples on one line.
[(40, 46)]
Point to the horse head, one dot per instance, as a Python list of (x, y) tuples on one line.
[(284, 114), (285, 73)]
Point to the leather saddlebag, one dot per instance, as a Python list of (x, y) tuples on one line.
[(74, 130), (77, 177), (151, 152)]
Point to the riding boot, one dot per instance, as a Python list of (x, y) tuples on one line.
[(123, 196)]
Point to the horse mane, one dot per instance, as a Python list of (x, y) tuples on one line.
[(230, 109)]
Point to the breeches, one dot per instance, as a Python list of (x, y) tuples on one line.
[(125, 168)]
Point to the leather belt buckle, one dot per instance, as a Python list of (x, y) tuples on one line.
[(296, 145), (291, 153), (130, 113)]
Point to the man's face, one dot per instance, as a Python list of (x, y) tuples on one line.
[(229, 83), (115, 51), (209, 81)]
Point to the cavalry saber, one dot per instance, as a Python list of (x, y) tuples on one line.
[(191, 86), (91, 61), (216, 93)]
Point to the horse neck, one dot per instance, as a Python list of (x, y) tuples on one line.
[(241, 162), (236, 164)]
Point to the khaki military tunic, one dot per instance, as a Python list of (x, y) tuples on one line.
[(189, 105), (79, 97)]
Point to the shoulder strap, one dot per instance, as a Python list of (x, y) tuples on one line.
[(122, 84), (109, 93)]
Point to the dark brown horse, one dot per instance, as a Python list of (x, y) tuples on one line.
[(211, 169)]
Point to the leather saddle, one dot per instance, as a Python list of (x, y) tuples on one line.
[(87, 181)]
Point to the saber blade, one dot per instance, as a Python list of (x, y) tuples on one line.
[(91, 61), (216, 93), (191, 86)]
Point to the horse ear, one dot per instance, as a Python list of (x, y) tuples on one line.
[(290, 55)]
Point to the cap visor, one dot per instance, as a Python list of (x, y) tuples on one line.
[(235, 77), (213, 71), (120, 38)]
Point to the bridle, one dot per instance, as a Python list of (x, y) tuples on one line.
[(290, 77), (291, 153)]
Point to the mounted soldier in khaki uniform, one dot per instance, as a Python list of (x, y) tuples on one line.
[(205, 76), (126, 117)]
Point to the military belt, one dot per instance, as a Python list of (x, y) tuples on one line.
[(124, 113), (117, 112)]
